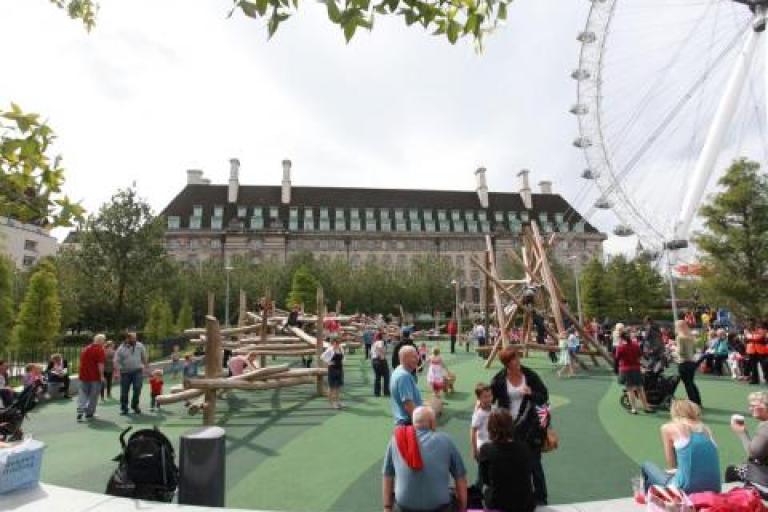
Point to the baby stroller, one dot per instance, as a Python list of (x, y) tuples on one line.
[(659, 388), (13, 416)]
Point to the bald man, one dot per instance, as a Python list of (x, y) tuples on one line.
[(404, 392), (423, 482)]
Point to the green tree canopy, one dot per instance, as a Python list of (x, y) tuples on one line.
[(735, 239), (6, 300), (30, 178), (160, 323), (123, 258), (303, 289), (185, 319), (39, 319)]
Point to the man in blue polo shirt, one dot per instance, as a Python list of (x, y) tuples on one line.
[(417, 475), (404, 393)]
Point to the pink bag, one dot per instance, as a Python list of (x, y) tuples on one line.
[(736, 500)]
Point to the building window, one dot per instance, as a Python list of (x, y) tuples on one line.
[(354, 224), (325, 224), (174, 222), (340, 224), (194, 222), (458, 226), (415, 224), (215, 243), (273, 212), (579, 227), (216, 222), (441, 215), (429, 225), (398, 214), (324, 213), (309, 220), (197, 211), (400, 225), (30, 245), (524, 216), (354, 213), (386, 224), (456, 215), (242, 211), (218, 211), (499, 216), (559, 218), (29, 261), (257, 222), (482, 216)]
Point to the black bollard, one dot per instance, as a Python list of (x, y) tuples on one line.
[(202, 460)]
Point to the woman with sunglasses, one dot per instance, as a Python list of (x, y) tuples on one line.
[(755, 470)]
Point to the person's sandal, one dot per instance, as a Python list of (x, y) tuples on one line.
[(633, 411)]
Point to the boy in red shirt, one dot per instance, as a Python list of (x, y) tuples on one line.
[(156, 389)]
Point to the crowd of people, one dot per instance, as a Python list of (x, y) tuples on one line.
[(510, 426)]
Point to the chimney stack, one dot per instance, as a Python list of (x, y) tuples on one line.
[(482, 187), (545, 187), (525, 189), (234, 179), (195, 177), (285, 197)]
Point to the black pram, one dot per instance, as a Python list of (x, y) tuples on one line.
[(12, 417)]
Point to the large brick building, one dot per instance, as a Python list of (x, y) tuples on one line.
[(389, 226)]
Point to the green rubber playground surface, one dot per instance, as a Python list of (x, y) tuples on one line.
[(287, 450)]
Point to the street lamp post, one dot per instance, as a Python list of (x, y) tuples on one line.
[(226, 303), (455, 284)]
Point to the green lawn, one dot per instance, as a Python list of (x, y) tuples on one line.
[(287, 450)]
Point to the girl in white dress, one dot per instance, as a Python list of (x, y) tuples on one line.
[(436, 372)]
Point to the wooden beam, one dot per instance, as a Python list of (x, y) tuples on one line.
[(282, 353), (259, 373), (180, 396), (230, 382), (260, 385), (213, 366)]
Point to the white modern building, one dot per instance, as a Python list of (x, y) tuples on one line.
[(25, 244)]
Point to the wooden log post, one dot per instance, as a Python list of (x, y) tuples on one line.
[(213, 360), (319, 340), (265, 323)]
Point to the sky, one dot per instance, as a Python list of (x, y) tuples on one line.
[(159, 87)]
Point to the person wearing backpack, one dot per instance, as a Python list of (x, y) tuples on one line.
[(131, 359)]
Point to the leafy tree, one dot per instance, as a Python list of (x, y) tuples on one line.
[(303, 289), (123, 257), (39, 319), (6, 300), (30, 178), (186, 319), (450, 19), (735, 240), (159, 320), (595, 291), (72, 286)]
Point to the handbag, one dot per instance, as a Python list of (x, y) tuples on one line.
[(551, 441), (668, 499)]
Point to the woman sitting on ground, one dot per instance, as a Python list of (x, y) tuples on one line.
[(755, 470), (505, 467), (693, 464)]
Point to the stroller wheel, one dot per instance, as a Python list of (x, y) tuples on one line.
[(624, 401)]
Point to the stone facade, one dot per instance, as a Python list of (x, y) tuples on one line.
[(390, 227), (25, 244)]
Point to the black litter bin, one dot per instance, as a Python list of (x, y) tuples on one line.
[(201, 467)]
